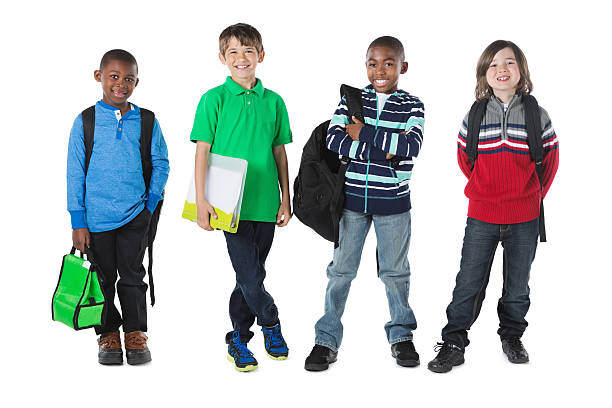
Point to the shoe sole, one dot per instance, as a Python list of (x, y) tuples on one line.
[(110, 361), (140, 358), (444, 369), (277, 357), (318, 367), (244, 369), (408, 363), (518, 360), (113, 359)]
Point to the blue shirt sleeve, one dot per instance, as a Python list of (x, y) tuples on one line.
[(161, 168), (75, 175)]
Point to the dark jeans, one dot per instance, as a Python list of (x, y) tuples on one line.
[(479, 244), (122, 250), (248, 249)]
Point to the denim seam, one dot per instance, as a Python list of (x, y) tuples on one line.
[(405, 338), (329, 346)]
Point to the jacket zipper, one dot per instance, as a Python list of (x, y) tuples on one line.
[(365, 209)]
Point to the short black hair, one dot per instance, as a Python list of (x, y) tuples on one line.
[(245, 33), (117, 54), (391, 42)]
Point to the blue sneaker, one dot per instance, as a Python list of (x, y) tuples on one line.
[(275, 344), (238, 352)]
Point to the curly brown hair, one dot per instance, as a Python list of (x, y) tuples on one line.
[(483, 90)]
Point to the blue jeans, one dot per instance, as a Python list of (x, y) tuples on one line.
[(248, 249), (393, 238), (481, 239)]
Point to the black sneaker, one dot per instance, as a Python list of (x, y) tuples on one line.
[(320, 358), (513, 347), (404, 353), (449, 355)]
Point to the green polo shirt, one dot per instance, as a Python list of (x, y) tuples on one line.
[(247, 124)]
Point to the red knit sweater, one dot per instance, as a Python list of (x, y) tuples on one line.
[(503, 187)]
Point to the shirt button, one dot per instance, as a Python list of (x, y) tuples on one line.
[(248, 92), (119, 128), (248, 103)]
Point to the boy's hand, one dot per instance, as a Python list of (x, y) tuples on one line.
[(284, 213), (81, 239), (353, 129), (205, 211)]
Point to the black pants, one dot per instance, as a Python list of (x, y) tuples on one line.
[(122, 250), (248, 249)]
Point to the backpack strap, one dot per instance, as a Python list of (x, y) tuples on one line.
[(147, 122), (354, 104), (477, 112), (536, 149), (89, 123), (354, 107)]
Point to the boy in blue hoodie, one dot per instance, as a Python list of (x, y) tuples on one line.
[(110, 206)]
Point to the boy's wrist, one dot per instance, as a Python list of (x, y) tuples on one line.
[(367, 134)]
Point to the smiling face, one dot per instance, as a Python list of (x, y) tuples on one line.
[(118, 79), (384, 67), (503, 74), (241, 61)]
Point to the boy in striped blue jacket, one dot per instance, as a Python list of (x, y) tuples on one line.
[(381, 153)]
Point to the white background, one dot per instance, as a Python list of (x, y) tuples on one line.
[(49, 52)]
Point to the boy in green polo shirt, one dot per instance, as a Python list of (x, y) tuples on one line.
[(243, 119)]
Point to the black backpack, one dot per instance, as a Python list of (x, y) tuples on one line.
[(147, 121), (318, 189), (534, 140)]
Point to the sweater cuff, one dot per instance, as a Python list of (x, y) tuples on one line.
[(152, 202), (77, 219), (368, 134)]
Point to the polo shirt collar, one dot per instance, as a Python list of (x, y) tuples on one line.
[(236, 89)]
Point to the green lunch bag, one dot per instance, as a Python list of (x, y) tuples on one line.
[(78, 300)]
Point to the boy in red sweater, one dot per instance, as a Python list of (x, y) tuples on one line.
[(505, 196)]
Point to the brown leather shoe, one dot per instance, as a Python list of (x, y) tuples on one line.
[(109, 350), (136, 349)]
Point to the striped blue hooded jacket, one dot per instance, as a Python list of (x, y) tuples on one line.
[(372, 185)]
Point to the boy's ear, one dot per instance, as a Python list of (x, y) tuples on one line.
[(98, 75), (261, 56), (404, 67), (221, 58), (136, 82)]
